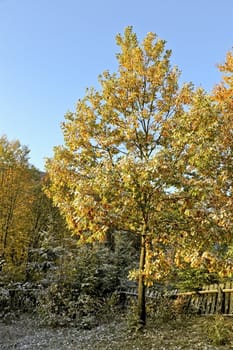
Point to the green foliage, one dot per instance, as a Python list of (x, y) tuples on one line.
[(166, 309), (132, 316), (97, 272), (4, 299), (160, 311), (82, 292), (218, 330), (193, 279), (42, 264), (59, 306), (17, 299)]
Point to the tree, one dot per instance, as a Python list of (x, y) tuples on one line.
[(200, 148), (33, 235), (108, 177), (222, 95), (48, 234), (15, 200)]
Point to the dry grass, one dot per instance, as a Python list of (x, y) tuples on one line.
[(196, 333)]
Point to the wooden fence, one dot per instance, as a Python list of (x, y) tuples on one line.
[(210, 300)]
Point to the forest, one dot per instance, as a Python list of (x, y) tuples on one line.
[(140, 193)]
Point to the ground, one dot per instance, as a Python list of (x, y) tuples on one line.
[(26, 333)]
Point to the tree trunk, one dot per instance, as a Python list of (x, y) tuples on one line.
[(110, 240), (141, 284)]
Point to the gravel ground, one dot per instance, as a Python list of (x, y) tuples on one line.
[(25, 333)]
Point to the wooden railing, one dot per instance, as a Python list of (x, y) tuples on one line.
[(211, 299)]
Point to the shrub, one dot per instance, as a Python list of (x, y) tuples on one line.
[(60, 306), (217, 330)]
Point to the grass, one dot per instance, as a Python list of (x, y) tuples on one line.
[(184, 333), (193, 333)]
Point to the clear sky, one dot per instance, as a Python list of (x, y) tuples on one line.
[(51, 50)]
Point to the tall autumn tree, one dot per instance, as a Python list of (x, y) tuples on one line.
[(15, 202), (28, 220), (107, 177)]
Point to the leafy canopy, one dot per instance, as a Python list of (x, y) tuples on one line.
[(138, 157)]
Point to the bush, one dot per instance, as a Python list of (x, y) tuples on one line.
[(4, 302), (62, 306), (217, 330), (193, 279), (91, 270), (165, 309)]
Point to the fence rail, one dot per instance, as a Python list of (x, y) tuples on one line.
[(210, 300)]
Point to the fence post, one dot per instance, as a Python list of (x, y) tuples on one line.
[(220, 299), (226, 309), (231, 300), (214, 299)]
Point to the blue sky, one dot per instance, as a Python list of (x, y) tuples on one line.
[(51, 50)]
